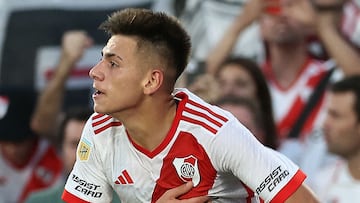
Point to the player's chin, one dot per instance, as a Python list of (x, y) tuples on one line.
[(98, 109)]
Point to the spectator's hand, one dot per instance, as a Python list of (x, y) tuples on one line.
[(306, 12), (255, 8), (171, 195), (303, 12), (207, 87), (74, 44), (249, 14), (329, 17)]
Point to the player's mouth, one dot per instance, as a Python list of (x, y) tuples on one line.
[(97, 93)]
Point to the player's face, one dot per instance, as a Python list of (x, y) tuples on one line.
[(341, 126), (235, 80), (72, 134), (118, 77)]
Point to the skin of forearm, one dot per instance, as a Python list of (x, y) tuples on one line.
[(340, 50), (51, 99), (303, 194), (221, 51), (225, 45)]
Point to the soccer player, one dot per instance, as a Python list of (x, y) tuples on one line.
[(147, 138)]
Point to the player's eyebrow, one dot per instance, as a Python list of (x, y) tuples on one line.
[(109, 55)]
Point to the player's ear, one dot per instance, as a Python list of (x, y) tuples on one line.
[(154, 81)]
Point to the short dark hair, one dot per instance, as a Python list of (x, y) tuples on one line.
[(164, 32), (349, 84)]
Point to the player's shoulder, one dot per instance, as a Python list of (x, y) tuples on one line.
[(192, 100), (196, 111), (102, 124)]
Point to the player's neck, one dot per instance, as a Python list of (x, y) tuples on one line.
[(151, 127)]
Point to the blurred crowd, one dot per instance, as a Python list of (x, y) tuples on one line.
[(289, 70)]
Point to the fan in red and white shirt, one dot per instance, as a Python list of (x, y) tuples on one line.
[(27, 163), (336, 24), (289, 102)]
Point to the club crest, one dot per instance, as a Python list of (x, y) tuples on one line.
[(187, 169)]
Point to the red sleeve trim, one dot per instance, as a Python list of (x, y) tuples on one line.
[(68, 197), (290, 187)]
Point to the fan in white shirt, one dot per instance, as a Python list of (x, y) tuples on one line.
[(340, 182)]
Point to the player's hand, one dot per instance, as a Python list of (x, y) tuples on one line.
[(171, 195)]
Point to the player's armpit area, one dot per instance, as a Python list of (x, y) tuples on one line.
[(303, 194)]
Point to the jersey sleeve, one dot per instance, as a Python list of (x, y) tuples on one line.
[(269, 174), (87, 181), (350, 26)]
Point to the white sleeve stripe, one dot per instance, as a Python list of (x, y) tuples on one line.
[(200, 107), (102, 122), (197, 122), (202, 116)]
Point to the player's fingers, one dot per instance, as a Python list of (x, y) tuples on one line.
[(182, 189), (201, 199)]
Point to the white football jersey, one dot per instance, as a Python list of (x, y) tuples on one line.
[(205, 145), (351, 22)]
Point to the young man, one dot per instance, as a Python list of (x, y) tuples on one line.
[(147, 138), (340, 182)]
